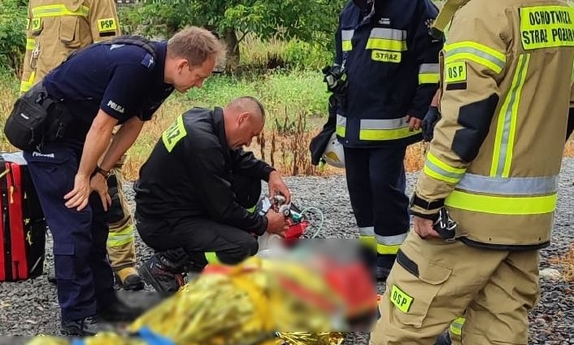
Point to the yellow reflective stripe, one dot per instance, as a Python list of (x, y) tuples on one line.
[(385, 249), (441, 171), (434, 159), (476, 52), (211, 257), (429, 78), (251, 209), (386, 44), (27, 84), (58, 11), (401, 299), (507, 118), (368, 241), (387, 134), (341, 127), (122, 237), (502, 204), (456, 326), (30, 44), (346, 46)]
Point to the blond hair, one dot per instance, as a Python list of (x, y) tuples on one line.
[(196, 45)]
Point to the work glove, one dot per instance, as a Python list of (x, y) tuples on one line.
[(336, 79), (429, 122)]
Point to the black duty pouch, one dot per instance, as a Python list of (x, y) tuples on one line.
[(35, 119)]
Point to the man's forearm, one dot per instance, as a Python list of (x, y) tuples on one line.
[(97, 141), (122, 141)]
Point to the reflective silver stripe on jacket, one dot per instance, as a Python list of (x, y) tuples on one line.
[(384, 124), (391, 34), (509, 185), (384, 240)]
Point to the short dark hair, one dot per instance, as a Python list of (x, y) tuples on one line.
[(196, 45), (256, 101)]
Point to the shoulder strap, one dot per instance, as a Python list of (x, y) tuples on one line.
[(126, 39), (134, 40)]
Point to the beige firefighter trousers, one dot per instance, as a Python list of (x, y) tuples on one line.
[(434, 282), (121, 248)]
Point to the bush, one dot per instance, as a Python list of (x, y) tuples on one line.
[(303, 55), (13, 16)]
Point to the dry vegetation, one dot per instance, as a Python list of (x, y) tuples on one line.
[(567, 264), (284, 143)]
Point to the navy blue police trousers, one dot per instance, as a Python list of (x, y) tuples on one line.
[(84, 276)]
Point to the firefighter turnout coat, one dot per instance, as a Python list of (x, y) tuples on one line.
[(58, 28), (392, 70), (506, 84)]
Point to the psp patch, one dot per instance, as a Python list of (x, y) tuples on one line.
[(107, 27), (401, 299)]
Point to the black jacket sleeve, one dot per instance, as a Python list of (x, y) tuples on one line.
[(426, 50), (206, 166), (248, 165)]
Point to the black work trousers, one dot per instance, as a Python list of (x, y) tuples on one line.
[(202, 240), (376, 182)]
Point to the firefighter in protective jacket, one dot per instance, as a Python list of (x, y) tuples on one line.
[(390, 64), (57, 28), (493, 165)]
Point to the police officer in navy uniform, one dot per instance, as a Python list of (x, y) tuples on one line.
[(390, 66), (102, 86)]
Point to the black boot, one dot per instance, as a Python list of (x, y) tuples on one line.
[(118, 310), (133, 282), (162, 274), (384, 265), (79, 328)]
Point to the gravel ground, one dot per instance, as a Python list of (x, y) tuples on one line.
[(30, 307)]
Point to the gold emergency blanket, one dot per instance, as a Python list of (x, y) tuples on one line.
[(260, 301)]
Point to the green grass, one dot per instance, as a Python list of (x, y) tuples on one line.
[(282, 93), (286, 95)]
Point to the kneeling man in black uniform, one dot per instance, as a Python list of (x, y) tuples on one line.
[(197, 191)]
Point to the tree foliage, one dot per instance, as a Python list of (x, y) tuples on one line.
[(12, 34), (307, 20)]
